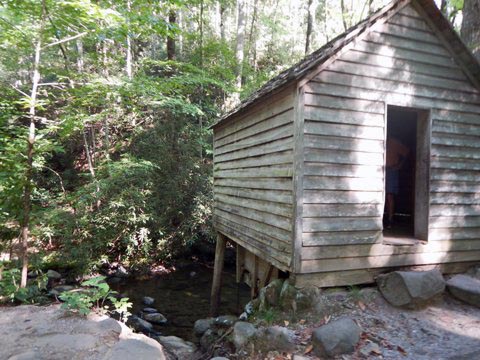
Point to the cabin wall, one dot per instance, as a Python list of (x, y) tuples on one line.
[(253, 179), (401, 63)]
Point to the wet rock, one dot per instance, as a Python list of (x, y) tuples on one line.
[(288, 294), (149, 310), (57, 290), (336, 338), (243, 316), (33, 273), (411, 288), (465, 288), (121, 272), (54, 275), (242, 333), (155, 318), (147, 300), (251, 306), (114, 280), (226, 320), (140, 324), (207, 339), (275, 338), (202, 325), (180, 348)]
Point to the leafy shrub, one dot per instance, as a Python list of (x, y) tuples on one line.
[(11, 291)]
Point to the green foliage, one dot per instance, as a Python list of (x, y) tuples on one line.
[(95, 297), (10, 290)]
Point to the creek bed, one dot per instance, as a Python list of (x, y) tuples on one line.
[(183, 296)]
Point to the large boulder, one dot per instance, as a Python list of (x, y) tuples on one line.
[(54, 275), (270, 295), (139, 324), (202, 325), (465, 288), (180, 348), (288, 294), (336, 338), (411, 288), (225, 321), (242, 333)]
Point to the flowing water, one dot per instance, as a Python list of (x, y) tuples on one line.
[(183, 296)]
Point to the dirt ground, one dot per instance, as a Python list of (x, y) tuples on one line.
[(446, 329)]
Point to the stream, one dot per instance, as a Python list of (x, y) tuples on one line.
[(183, 296)]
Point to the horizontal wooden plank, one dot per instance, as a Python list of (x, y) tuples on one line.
[(455, 186), (330, 142), (342, 224), (343, 157), (455, 152), (454, 199), (455, 116), (452, 128), (423, 36), (284, 119), (258, 183), (309, 266), (342, 183), (285, 210), (342, 210), (453, 234), (258, 139), (282, 170), (454, 175), (266, 110), (342, 116), (329, 169), (406, 87), (284, 157), (438, 162), (272, 231), (401, 75), (455, 210), (365, 250), (454, 222), (277, 221), (336, 102), (339, 197), (263, 149), (277, 258), (463, 140), (343, 130), (410, 22), (410, 12), (343, 238), (276, 196)]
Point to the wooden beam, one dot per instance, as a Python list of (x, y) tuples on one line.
[(217, 274)]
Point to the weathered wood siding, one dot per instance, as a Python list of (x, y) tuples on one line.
[(402, 63), (253, 172)]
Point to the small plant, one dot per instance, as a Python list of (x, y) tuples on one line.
[(10, 290), (269, 316), (95, 297), (354, 293)]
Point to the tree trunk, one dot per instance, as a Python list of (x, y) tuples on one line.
[(240, 42), (80, 61), (180, 36), (471, 26), (201, 32), (344, 14), (222, 22), (27, 190), (252, 39), (310, 10), (129, 56), (371, 9), (172, 20)]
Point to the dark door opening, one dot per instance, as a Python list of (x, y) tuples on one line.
[(406, 174)]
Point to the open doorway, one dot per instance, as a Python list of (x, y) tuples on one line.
[(406, 174)]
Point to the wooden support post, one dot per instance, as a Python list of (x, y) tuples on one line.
[(217, 274), (254, 279)]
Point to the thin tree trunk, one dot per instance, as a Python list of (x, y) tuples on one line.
[(80, 61), (471, 26), (91, 168), (180, 35), (172, 20), (240, 42), (252, 40), (201, 33), (222, 22), (27, 190), (344, 14), (129, 54), (309, 26), (371, 9), (443, 8)]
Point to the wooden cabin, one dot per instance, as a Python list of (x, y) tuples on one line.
[(300, 166)]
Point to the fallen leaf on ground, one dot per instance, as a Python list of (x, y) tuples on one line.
[(286, 322), (401, 350), (361, 305), (308, 349)]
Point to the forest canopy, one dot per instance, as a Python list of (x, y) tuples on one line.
[(105, 108)]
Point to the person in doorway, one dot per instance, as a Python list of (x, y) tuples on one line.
[(397, 154)]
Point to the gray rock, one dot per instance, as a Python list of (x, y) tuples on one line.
[(226, 320), (219, 358), (270, 295), (306, 297), (127, 349), (139, 324), (147, 300), (336, 338), (243, 316), (177, 346), (288, 294), (114, 280), (149, 310), (33, 273), (121, 272), (276, 338), (54, 275), (251, 307), (465, 288), (155, 318), (242, 333), (474, 271), (202, 325), (57, 290), (28, 355), (207, 339), (411, 288)]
